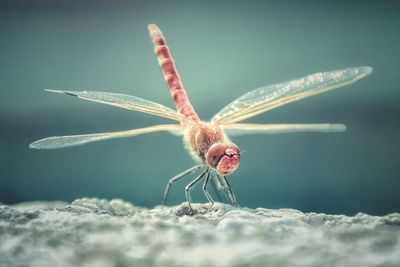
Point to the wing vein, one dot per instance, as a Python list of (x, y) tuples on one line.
[(75, 140), (269, 97), (237, 129), (126, 102)]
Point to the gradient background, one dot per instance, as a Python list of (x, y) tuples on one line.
[(222, 50)]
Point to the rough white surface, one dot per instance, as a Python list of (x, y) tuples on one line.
[(93, 232)]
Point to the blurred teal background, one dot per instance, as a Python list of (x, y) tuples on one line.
[(222, 50)]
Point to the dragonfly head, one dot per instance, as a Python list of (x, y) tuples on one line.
[(224, 158)]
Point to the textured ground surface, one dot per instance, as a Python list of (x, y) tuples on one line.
[(93, 232)]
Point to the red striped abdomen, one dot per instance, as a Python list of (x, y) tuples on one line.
[(171, 75)]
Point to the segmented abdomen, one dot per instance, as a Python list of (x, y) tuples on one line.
[(171, 74)]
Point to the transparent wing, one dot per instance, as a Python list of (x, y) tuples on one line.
[(75, 140), (126, 102), (273, 96), (244, 128)]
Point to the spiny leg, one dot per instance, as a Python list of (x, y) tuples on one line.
[(189, 186), (176, 178), (221, 185), (216, 187), (205, 190), (231, 194)]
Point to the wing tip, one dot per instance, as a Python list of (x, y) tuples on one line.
[(338, 127), (60, 92), (53, 90), (45, 144), (34, 145), (341, 127), (364, 71)]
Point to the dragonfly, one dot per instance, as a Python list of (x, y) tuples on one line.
[(208, 143)]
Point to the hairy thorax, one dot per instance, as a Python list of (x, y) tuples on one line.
[(200, 137)]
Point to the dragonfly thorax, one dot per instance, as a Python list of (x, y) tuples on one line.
[(208, 144)]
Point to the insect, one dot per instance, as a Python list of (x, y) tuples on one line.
[(208, 142)]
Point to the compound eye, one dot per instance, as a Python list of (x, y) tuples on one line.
[(232, 149), (215, 153), (230, 160)]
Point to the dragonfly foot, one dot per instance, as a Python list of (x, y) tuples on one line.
[(186, 210), (210, 208)]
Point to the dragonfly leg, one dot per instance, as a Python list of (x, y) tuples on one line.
[(205, 190), (189, 186), (215, 188), (176, 178), (220, 185), (231, 194)]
